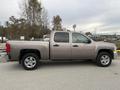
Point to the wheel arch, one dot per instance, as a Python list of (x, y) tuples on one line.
[(106, 50), (24, 51)]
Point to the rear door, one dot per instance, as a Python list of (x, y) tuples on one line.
[(60, 46)]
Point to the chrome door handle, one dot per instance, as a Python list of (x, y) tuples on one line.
[(75, 46), (56, 45)]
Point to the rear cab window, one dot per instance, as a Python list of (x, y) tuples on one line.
[(61, 37)]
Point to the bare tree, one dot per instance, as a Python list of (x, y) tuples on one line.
[(32, 12), (44, 18), (57, 23), (36, 17)]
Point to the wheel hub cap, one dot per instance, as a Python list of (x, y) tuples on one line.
[(30, 62), (105, 59)]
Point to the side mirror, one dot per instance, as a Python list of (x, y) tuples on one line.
[(88, 41)]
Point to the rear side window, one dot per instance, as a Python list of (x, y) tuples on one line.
[(61, 37)]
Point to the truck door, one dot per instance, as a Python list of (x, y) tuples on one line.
[(60, 46), (82, 47)]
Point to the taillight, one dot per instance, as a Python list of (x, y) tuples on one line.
[(7, 47)]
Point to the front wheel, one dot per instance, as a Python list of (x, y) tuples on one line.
[(30, 61), (104, 59)]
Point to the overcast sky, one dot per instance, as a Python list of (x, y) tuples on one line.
[(89, 15)]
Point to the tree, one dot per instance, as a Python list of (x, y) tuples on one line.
[(57, 23), (32, 11), (1, 32), (44, 17), (36, 17), (16, 27), (88, 33), (32, 23), (12, 27)]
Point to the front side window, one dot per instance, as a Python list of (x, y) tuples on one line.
[(61, 37), (79, 38)]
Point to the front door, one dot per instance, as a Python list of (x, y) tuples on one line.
[(82, 48)]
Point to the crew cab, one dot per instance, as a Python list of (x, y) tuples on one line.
[(61, 46)]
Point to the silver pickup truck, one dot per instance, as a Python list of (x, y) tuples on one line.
[(62, 45)]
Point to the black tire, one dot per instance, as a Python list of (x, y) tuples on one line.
[(27, 57), (102, 62)]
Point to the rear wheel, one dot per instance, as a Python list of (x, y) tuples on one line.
[(104, 59), (30, 61)]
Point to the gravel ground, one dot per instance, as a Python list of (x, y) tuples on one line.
[(60, 76)]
